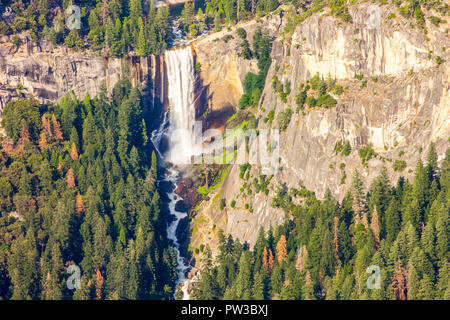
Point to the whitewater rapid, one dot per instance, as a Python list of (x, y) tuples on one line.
[(182, 268)]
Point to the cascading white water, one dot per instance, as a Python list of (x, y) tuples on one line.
[(181, 120), (182, 267), (181, 79)]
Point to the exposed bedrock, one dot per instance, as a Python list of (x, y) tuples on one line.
[(403, 106)]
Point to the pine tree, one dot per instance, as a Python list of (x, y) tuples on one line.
[(241, 10), (57, 132), (70, 179), (308, 288), (142, 46), (428, 241), (46, 126), (420, 187), (99, 285), (336, 237), (258, 290), (392, 221), (399, 282), (357, 190), (426, 291), (302, 255), (44, 12), (24, 137), (431, 159), (23, 268), (187, 14), (42, 141), (79, 206), (375, 227), (104, 11), (244, 277), (445, 175), (281, 249), (413, 283), (73, 151), (413, 214)]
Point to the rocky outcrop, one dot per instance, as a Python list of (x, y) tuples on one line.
[(403, 105), (223, 71)]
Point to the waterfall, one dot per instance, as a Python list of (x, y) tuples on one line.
[(178, 127), (181, 79)]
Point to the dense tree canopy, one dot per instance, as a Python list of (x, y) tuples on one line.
[(324, 252), (77, 186)]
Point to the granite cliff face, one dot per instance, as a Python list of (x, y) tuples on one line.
[(48, 72), (223, 71), (401, 105)]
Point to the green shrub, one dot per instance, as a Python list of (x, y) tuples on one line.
[(404, 11), (337, 89), (300, 98), (16, 41), (344, 177), (366, 153), (284, 118), (227, 38), (241, 33), (233, 203), (222, 204), (439, 60), (271, 115), (245, 50), (311, 101), (327, 101), (243, 168), (399, 165), (363, 84), (418, 15), (435, 20), (343, 148), (318, 84), (193, 32), (4, 28), (19, 24), (391, 16), (253, 86)]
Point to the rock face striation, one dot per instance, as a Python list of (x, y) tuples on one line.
[(401, 104), (49, 72)]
